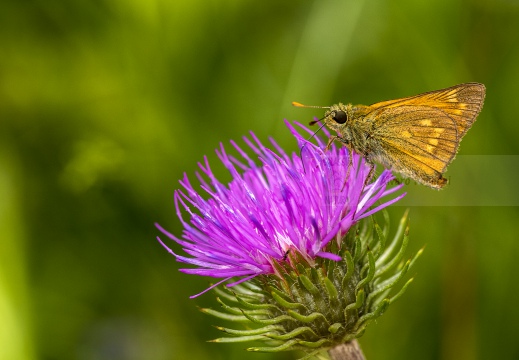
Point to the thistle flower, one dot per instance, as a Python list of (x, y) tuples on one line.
[(280, 233)]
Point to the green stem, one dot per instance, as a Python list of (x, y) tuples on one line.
[(347, 351)]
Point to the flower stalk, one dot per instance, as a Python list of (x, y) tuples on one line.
[(348, 351)]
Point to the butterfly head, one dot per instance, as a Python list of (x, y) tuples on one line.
[(338, 117)]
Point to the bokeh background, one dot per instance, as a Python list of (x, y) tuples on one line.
[(105, 104)]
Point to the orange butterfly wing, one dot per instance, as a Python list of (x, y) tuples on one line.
[(419, 136), (461, 102)]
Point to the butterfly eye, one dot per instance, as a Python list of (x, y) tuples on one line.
[(340, 117)]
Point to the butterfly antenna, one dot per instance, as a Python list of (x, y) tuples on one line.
[(296, 104)]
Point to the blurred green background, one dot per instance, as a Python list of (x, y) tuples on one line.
[(104, 104)]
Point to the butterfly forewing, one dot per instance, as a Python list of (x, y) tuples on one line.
[(416, 140), (461, 102)]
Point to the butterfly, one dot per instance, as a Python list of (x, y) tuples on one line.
[(416, 136)]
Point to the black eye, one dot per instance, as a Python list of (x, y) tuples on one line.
[(340, 117)]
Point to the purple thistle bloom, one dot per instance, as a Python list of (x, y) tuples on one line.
[(285, 204)]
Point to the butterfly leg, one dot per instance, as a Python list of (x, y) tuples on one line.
[(336, 137), (369, 161), (330, 142), (350, 166), (370, 174)]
